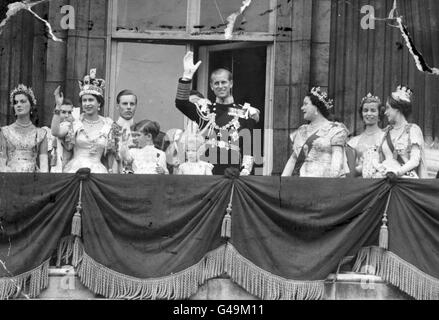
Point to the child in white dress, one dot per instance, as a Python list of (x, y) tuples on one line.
[(192, 145), (146, 159)]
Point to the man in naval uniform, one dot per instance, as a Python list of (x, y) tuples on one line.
[(222, 122)]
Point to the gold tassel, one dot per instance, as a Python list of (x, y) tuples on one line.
[(384, 236), (76, 231), (226, 227), (384, 231), (76, 221)]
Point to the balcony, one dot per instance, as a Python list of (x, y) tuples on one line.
[(195, 237)]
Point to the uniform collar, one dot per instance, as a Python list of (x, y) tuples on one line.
[(231, 101)]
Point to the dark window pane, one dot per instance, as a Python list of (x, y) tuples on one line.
[(152, 15)]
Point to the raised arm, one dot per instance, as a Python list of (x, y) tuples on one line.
[(189, 67), (58, 130), (184, 88)]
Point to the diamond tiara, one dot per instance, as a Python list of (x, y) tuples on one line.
[(21, 88), (370, 98), (323, 97), (402, 93)]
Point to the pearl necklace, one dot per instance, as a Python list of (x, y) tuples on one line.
[(91, 121), (25, 125)]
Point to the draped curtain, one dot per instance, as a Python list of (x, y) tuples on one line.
[(161, 237)]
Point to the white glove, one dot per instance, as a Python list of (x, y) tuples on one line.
[(247, 163)]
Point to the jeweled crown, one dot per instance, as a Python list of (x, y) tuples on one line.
[(323, 97), (21, 88), (92, 85), (369, 98), (402, 93)]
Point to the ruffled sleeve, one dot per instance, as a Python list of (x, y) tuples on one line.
[(353, 143), (339, 135), (293, 136), (416, 136)]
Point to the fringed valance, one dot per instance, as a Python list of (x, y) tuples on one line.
[(161, 237)]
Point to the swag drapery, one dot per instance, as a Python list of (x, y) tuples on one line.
[(161, 237)]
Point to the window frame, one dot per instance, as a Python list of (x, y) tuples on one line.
[(192, 19), (173, 37)]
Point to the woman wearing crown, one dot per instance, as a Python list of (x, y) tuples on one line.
[(366, 145), (23, 147), (318, 147), (89, 137), (403, 144)]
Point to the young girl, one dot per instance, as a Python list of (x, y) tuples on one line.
[(192, 144), (146, 159)]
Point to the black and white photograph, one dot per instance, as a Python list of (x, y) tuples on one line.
[(230, 150)]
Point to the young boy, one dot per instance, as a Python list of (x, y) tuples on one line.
[(146, 159)]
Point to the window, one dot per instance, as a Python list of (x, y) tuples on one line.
[(148, 39), (192, 19), (141, 15), (151, 71)]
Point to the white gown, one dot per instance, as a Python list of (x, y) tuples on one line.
[(88, 151)]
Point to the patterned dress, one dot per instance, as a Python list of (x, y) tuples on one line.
[(403, 144), (367, 152), (88, 150), (21, 146), (318, 160)]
